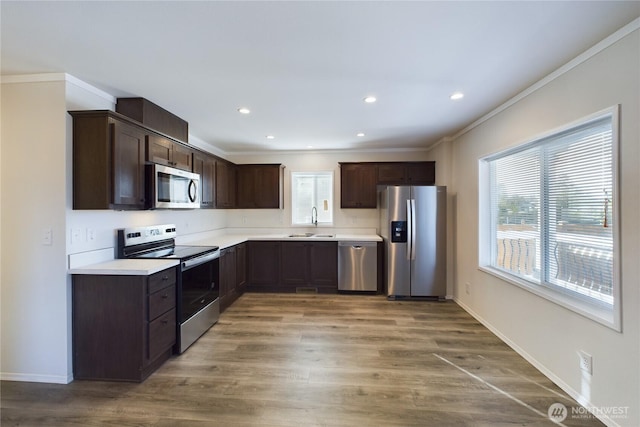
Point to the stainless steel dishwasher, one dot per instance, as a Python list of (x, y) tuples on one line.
[(358, 266)]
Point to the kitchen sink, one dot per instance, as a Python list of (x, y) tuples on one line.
[(323, 235)]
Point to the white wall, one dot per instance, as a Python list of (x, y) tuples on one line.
[(546, 334), (33, 283)]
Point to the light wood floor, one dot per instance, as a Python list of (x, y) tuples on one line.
[(315, 360)]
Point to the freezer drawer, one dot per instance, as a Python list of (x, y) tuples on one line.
[(357, 266)]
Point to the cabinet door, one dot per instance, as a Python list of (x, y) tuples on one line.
[(205, 166), (128, 166), (358, 186), (225, 185), (263, 263), (268, 187), (166, 152), (159, 150), (246, 187), (227, 277), (241, 267), (323, 264), (421, 173), (181, 157), (258, 186), (391, 173), (295, 263), (109, 324)]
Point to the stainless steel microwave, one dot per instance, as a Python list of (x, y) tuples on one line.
[(171, 188)]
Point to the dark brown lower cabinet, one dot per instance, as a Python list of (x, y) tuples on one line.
[(263, 266), (310, 266), (323, 266), (124, 327), (241, 267), (292, 266), (228, 273)]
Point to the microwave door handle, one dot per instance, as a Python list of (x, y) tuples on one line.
[(193, 190)]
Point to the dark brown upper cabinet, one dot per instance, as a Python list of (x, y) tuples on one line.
[(259, 186), (359, 181), (108, 161), (154, 117), (358, 185), (407, 173), (225, 184), (205, 165), (166, 152)]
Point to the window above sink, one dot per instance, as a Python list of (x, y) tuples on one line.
[(311, 190)]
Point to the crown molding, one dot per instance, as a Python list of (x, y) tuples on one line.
[(56, 77), (583, 57), (330, 151)]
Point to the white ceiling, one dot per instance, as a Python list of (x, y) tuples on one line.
[(304, 67)]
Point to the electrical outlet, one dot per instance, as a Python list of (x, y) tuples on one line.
[(91, 234), (586, 362), (467, 288)]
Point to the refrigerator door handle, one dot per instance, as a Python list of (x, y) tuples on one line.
[(409, 230), (413, 229)]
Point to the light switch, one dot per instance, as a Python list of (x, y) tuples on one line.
[(47, 236), (76, 234)]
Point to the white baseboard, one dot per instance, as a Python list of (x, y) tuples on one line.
[(35, 378), (539, 366)]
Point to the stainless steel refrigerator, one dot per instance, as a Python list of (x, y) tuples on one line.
[(413, 226)]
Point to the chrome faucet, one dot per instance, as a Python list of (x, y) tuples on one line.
[(314, 211)]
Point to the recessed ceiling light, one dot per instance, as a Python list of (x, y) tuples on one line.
[(456, 95), (309, 146), (243, 110), (270, 137), (370, 99), (360, 134)]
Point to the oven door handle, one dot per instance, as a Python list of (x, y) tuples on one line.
[(186, 265)]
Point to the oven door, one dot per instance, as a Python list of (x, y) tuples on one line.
[(199, 306), (200, 284)]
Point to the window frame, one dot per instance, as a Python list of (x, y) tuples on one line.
[(330, 174), (609, 316)]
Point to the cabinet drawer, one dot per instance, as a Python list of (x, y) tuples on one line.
[(162, 333), (162, 279), (162, 301)]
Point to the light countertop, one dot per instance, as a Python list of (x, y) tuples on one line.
[(145, 267), (229, 240), (127, 267)]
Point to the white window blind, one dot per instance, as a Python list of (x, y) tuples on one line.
[(309, 190), (552, 213)]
